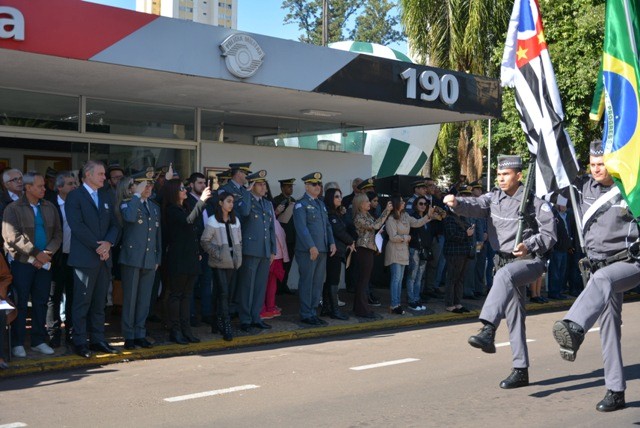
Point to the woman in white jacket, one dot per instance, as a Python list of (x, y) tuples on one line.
[(222, 240)]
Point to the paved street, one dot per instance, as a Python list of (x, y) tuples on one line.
[(420, 377)]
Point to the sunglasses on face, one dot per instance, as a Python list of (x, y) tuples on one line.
[(337, 197), (315, 184), (421, 204), (182, 188)]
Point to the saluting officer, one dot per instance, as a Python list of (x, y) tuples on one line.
[(314, 239), (518, 265), (609, 228), (280, 205), (258, 251), (140, 255), (236, 186)]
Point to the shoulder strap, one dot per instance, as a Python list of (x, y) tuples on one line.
[(599, 207)]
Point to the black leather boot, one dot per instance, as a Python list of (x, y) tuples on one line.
[(336, 313), (190, 337), (177, 337), (485, 339), (218, 325), (612, 401), (227, 329), (517, 379), (569, 336)]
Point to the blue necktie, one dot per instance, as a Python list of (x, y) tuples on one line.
[(94, 196)]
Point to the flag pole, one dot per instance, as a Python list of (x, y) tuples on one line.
[(578, 217), (528, 186), (489, 160)]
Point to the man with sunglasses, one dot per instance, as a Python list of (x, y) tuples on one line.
[(314, 239)]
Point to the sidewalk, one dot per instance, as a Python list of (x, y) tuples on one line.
[(286, 328)]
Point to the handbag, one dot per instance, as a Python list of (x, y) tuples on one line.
[(423, 253)]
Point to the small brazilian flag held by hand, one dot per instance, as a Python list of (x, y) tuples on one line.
[(617, 96)]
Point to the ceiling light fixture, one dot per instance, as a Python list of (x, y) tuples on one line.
[(320, 113)]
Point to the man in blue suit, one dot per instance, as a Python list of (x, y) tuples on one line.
[(258, 251), (94, 231), (314, 239)]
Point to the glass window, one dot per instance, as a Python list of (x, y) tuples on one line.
[(141, 120), (135, 159), (38, 110), (248, 129)]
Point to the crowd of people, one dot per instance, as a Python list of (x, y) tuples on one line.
[(230, 245)]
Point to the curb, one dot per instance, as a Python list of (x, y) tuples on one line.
[(69, 362)]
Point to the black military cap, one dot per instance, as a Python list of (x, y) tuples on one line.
[(465, 191), (287, 181), (509, 162), (51, 173), (419, 183), (367, 184), (224, 175), (314, 177), (477, 186), (242, 166), (148, 175), (257, 177), (595, 148), (114, 167)]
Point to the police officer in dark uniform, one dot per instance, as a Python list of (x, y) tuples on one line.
[(609, 229), (258, 251), (419, 189), (314, 239), (280, 205), (518, 265)]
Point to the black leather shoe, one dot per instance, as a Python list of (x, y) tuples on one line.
[(103, 347), (310, 321), (190, 337), (569, 336), (338, 315), (612, 401), (261, 325), (129, 344), (517, 379), (83, 351), (54, 341), (320, 321), (245, 327), (369, 315), (178, 338), (485, 339), (143, 343)]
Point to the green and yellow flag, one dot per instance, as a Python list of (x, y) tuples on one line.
[(618, 97)]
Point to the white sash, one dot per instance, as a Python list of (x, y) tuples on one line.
[(603, 199)]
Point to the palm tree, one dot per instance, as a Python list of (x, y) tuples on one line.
[(461, 35)]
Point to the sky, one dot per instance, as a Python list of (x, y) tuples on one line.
[(255, 16)]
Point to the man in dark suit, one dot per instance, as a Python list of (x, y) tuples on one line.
[(203, 288), (94, 230)]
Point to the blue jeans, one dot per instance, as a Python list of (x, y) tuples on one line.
[(397, 272), (557, 273), (29, 281), (414, 275)]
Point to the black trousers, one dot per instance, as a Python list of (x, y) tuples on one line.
[(223, 278), (180, 291), (62, 282), (364, 257)]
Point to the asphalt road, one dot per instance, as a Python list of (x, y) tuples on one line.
[(425, 377)]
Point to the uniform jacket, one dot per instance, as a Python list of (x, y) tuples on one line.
[(258, 231), (312, 225), (501, 211), (18, 229), (341, 236), (141, 244), (366, 227), (289, 228), (183, 243), (90, 224), (612, 231), (215, 242), (399, 232), (241, 198)]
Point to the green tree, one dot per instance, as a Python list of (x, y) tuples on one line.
[(459, 35), (376, 24), (373, 21)]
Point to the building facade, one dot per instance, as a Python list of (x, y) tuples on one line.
[(223, 13)]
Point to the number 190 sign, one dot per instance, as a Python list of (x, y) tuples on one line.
[(446, 87)]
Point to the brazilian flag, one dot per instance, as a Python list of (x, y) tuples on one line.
[(617, 96)]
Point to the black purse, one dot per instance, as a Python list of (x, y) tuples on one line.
[(424, 253)]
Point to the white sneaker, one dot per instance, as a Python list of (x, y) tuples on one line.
[(341, 303), (423, 308), (18, 351), (43, 348)]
